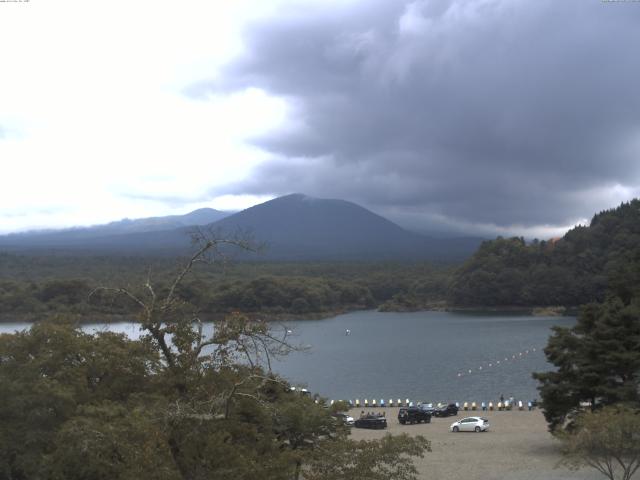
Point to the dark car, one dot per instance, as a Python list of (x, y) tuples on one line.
[(413, 415), (445, 410), (374, 421)]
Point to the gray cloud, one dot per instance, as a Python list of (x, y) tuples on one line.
[(496, 112)]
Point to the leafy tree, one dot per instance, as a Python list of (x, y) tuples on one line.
[(607, 440), (382, 459), (177, 404), (597, 361)]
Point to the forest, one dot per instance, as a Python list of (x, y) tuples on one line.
[(571, 271)]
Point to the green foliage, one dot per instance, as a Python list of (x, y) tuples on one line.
[(597, 361), (176, 404), (607, 440), (34, 287), (574, 270), (387, 458)]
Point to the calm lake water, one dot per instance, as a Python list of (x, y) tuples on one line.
[(423, 356)]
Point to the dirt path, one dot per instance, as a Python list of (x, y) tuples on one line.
[(517, 447)]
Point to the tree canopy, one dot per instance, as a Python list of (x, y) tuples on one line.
[(597, 361), (176, 404)]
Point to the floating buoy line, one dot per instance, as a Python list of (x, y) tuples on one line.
[(493, 364)]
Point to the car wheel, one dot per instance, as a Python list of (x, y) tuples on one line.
[(478, 429), (456, 429)]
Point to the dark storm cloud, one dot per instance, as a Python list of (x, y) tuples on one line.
[(479, 111)]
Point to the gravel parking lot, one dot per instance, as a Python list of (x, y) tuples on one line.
[(517, 447)]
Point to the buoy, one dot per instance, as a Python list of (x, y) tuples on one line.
[(331, 403), (473, 405), (289, 332), (480, 367), (507, 405), (406, 403), (459, 374), (347, 332), (529, 405), (350, 403), (373, 402), (366, 402), (399, 404), (491, 406), (382, 403), (457, 405), (498, 362), (411, 404), (469, 371), (490, 365), (520, 406), (465, 406), (357, 403), (391, 402), (500, 406), (484, 407)]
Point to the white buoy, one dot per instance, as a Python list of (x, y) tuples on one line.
[(459, 374), (391, 402), (406, 403), (347, 332), (366, 402), (331, 403), (357, 403), (480, 367), (399, 404), (373, 402), (289, 332)]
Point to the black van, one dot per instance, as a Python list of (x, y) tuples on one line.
[(413, 415)]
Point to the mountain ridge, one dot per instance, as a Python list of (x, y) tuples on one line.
[(294, 227)]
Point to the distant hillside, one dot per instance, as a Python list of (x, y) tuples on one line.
[(80, 235), (298, 227), (579, 268), (294, 227)]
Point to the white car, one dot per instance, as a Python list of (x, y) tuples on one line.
[(470, 424), (346, 419)]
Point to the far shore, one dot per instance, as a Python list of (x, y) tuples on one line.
[(556, 311)]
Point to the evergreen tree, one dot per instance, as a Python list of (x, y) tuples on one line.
[(597, 361)]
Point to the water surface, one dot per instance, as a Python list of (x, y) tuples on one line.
[(424, 356)]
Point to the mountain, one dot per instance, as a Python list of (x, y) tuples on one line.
[(294, 228), (299, 227), (86, 235)]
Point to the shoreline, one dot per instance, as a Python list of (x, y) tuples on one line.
[(107, 318)]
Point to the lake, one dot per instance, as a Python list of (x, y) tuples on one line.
[(423, 356)]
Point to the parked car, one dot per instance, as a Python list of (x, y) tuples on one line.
[(445, 411), (413, 415), (374, 421), (344, 418), (470, 424)]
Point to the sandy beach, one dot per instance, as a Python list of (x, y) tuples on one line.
[(517, 447)]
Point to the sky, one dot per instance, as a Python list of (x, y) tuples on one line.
[(510, 117)]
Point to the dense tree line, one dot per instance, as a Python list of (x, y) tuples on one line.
[(31, 289), (576, 269)]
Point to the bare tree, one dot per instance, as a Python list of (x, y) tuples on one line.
[(176, 329)]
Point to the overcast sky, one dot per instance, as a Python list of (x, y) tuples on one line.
[(472, 116)]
